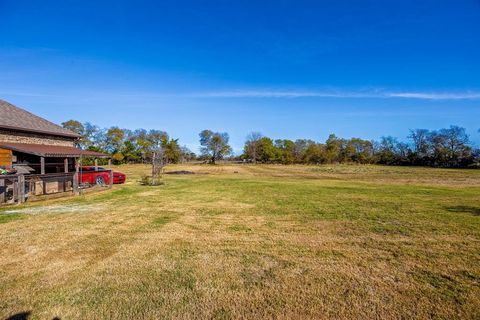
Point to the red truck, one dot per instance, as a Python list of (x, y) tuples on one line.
[(99, 176)]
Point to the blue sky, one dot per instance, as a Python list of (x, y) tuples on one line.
[(289, 69)]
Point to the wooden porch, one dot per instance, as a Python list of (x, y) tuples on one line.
[(41, 171)]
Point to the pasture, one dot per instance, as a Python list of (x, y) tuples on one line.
[(245, 241)]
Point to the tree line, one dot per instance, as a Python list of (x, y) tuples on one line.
[(129, 146), (448, 147)]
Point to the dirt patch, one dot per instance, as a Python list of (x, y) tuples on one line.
[(180, 172), (56, 209)]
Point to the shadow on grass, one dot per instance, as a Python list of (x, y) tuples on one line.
[(24, 316), (465, 209)]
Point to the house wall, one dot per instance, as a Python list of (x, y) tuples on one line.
[(34, 138)]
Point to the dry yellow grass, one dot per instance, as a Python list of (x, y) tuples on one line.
[(237, 241)]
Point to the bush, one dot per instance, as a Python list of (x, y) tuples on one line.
[(149, 181)]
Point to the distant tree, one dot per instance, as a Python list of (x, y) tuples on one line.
[(252, 146), (187, 155), (156, 138), (419, 138), (450, 147), (387, 153), (421, 146), (74, 126), (315, 154), (172, 151), (358, 150), (148, 142), (403, 153), (98, 140), (130, 152), (78, 128), (333, 148), (118, 157), (266, 150), (214, 145), (299, 149), (115, 139), (285, 151)]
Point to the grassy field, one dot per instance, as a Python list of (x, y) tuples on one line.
[(251, 242)]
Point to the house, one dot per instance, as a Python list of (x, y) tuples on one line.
[(33, 147)]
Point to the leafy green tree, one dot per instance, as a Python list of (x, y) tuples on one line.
[(333, 149), (299, 149), (214, 145), (285, 151), (131, 152), (315, 154), (172, 150), (78, 128), (148, 141), (74, 126), (115, 140), (266, 150), (358, 150)]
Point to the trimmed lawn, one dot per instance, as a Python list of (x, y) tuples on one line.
[(245, 241)]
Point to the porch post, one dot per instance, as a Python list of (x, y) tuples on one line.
[(75, 178), (42, 165), (96, 164), (65, 163), (21, 188), (110, 163)]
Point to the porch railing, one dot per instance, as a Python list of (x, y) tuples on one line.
[(9, 192), (20, 188)]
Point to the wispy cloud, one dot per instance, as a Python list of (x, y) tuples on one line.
[(281, 94), (374, 94), (262, 93), (436, 95)]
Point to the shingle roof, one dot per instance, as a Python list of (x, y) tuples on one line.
[(50, 151), (12, 117)]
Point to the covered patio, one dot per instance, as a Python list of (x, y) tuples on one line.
[(39, 170)]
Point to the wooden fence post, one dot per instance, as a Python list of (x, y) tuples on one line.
[(21, 188), (110, 183), (75, 179), (15, 191)]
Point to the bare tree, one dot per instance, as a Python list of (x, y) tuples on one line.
[(158, 163), (252, 145), (420, 139)]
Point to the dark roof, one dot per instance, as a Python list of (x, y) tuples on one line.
[(15, 118), (51, 151)]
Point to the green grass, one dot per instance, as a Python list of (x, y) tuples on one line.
[(266, 242), (4, 218)]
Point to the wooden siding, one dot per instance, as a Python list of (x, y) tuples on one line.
[(5, 158)]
